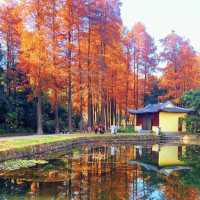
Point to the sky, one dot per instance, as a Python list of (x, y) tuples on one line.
[(162, 16)]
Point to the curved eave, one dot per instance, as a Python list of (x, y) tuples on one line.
[(177, 110)]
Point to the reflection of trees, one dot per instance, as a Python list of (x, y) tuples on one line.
[(174, 189), (192, 159), (185, 185), (96, 173), (12, 187)]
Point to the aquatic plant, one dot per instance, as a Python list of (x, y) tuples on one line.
[(12, 165)]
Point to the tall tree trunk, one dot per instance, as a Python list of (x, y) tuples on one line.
[(127, 86), (90, 109), (145, 82), (126, 102), (120, 116), (109, 111), (115, 111), (106, 112), (112, 110), (39, 98), (57, 126), (81, 112), (80, 82), (69, 103), (103, 89), (137, 88), (39, 115), (69, 97), (134, 74), (57, 129)]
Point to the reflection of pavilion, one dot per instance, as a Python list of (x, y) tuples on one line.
[(163, 159), (160, 155)]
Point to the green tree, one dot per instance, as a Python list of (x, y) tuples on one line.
[(192, 159), (191, 99), (153, 97)]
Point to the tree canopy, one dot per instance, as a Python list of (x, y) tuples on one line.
[(77, 58)]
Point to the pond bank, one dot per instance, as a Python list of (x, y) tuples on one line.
[(191, 139), (29, 146)]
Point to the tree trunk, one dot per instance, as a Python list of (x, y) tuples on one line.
[(134, 74), (111, 111), (57, 130), (80, 82), (39, 115), (126, 102), (69, 97), (69, 102), (57, 127), (137, 88), (81, 114), (127, 86), (115, 112), (90, 110)]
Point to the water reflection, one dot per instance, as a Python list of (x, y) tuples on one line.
[(104, 172)]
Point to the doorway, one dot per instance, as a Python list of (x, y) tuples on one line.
[(147, 122)]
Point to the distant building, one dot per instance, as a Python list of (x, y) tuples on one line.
[(161, 117)]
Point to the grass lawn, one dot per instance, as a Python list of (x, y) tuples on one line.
[(26, 141)]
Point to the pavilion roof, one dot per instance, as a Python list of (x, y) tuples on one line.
[(160, 107)]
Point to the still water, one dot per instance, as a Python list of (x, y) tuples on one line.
[(106, 172)]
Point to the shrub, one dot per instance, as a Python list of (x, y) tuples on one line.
[(128, 129), (191, 99)]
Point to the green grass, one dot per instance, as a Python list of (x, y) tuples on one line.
[(20, 142)]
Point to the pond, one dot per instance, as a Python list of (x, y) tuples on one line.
[(106, 172)]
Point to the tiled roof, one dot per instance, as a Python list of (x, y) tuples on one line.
[(165, 107)]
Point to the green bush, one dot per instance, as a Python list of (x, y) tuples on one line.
[(128, 129), (2, 131), (191, 99)]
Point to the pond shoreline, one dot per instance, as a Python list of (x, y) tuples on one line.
[(38, 149), (33, 146)]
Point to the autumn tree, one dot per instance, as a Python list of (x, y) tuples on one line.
[(181, 72), (55, 86), (76, 54), (10, 24), (34, 55), (144, 62)]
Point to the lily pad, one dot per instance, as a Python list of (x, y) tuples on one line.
[(11, 165)]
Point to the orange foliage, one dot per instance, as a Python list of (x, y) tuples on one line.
[(78, 54), (182, 67)]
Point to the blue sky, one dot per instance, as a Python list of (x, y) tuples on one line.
[(162, 16)]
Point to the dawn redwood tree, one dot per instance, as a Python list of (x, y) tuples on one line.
[(68, 46), (145, 60), (79, 66), (53, 32), (130, 73), (182, 68), (35, 69), (88, 63), (110, 54), (10, 24), (34, 56)]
